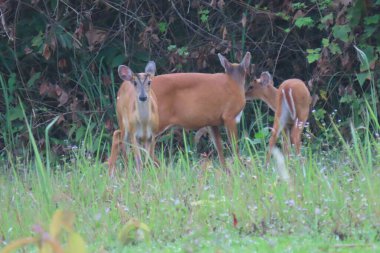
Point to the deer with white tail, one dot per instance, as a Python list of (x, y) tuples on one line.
[(197, 100), (137, 115), (291, 103)]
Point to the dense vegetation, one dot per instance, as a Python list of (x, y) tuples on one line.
[(58, 83), (59, 57)]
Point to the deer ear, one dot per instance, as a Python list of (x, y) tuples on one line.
[(151, 68), (246, 62), (225, 63), (125, 73), (266, 78)]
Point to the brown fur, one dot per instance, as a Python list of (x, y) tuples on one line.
[(133, 122), (263, 89), (196, 100)]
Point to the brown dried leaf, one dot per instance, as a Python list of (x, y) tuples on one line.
[(298, 14), (79, 31), (221, 4), (310, 84), (58, 90), (213, 3), (106, 80), (95, 37), (27, 50), (198, 135), (109, 125), (346, 61), (224, 33), (341, 17), (47, 89), (63, 97), (314, 100), (195, 4), (244, 21), (74, 109), (62, 63), (343, 2), (61, 119), (46, 52)]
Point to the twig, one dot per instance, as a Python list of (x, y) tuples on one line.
[(5, 25)]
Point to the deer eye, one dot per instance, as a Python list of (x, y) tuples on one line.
[(149, 82), (135, 83)]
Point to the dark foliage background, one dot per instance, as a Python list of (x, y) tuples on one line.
[(59, 58)]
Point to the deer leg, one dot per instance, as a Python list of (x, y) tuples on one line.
[(232, 135), (276, 131), (217, 140), (296, 137), (152, 155), (115, 149), (286, 141), (125, 149), (136, 153)]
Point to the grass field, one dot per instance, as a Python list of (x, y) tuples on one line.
[(332, 203)]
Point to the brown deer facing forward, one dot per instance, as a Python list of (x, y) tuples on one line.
[(291, 103), (137, 115), (196, 100)]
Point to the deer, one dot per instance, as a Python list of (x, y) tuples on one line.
[(137, 115), (291, 104), (196, 100)]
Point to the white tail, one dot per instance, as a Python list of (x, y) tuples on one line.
[(137, 115), (291, 102), (196, 100)]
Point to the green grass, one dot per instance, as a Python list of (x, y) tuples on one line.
[(189, 206)]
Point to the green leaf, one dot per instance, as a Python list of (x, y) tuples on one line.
[(319, 114), (262, 134), (162, 27), (134, 231), (356, 12), (372, 20), (369, 31), (341, 32), (325, 42), (283, 15), (335, 48), (33, 79), (15, 113), (203, 14), (116, 61), (312, 58), (37, 41), (183, 51), (297, 6), (75, 244), (11, 83), (304, 21), (61, 219), (328, 18), (313, 55), (361, 77), (172, 47)]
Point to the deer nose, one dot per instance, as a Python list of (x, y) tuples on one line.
[(142, 98)]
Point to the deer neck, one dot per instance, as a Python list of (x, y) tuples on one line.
[(270, 97)]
